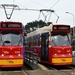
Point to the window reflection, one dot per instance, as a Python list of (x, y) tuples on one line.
[(60, 40), (11, 38)]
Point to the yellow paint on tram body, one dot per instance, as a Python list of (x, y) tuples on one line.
[(11, 62), (61, 60)]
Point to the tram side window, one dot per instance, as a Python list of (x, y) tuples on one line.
[(32, 42), (27, 43), (38, 42), (38, 39)]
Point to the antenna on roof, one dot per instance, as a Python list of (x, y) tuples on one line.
[(9, 6)]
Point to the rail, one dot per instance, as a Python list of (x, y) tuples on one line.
[(31, 57)]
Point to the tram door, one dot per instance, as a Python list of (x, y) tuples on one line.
[(44, 46)]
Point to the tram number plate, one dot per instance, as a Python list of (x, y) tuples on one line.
[(63, 59), (10, 61)]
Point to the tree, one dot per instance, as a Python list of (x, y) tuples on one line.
[(31, 26)]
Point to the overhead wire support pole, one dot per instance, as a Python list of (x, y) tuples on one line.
[(49, 17), (47, 10), (22, 9), (55, 13), (44, 16), (39, 15), (30, 9), (73, 20), (15, 7), (57, 17), (8, 16), (44, 10)]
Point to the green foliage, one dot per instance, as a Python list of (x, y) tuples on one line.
[(31, 26)]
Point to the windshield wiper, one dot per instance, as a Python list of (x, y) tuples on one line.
[(54, 43)]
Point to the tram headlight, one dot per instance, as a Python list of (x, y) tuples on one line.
[(55, 54), (3, 54), (69, 54), (18, 54)]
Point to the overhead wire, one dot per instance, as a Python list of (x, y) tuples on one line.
[(20, 4), (27, 8), (38, 3), (43, 10), (13, 1), (54, 4), (32, 9), (50, 8), (24, 8)]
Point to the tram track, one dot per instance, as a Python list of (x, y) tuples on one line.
[(13, 72), (65, 70), (23, 71), (50, 67), (68, 70)]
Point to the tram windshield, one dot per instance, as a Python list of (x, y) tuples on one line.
[(60, 40), (11, 38)]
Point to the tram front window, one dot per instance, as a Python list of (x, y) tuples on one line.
[(11, 38), (60, 40)]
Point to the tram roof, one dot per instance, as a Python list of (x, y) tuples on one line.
[(39, 31), (42, 30)]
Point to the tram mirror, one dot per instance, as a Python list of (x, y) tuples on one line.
[(7, 41)]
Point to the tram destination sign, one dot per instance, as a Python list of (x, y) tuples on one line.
[(61, 27), (11, 25)]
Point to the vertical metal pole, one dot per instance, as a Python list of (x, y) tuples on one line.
[(73, 20)]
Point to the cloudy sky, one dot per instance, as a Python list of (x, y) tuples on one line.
[(25, 16)]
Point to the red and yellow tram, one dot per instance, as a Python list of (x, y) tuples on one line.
[(11, 44), (51, 43)]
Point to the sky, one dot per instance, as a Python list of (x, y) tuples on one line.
[(59, 6)]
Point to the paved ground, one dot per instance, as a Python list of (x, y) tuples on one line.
[(50, 72), (44, 72), (73, 60), (11, 73)]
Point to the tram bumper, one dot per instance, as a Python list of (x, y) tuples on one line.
[(11, 63), (62, 61)]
